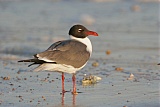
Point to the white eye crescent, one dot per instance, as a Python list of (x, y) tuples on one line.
[(79, 30)]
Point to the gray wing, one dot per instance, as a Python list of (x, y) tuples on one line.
[(67, 52)]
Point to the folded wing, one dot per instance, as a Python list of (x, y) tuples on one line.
[(69, 52)]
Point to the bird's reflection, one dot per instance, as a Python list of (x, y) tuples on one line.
[(74, 100), (63, 100)]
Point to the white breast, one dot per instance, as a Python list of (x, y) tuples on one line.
[(85, 41)]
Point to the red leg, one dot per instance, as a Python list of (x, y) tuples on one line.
[(63, 90), (74, 84)]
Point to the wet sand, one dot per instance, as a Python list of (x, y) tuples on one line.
[(129, 29)]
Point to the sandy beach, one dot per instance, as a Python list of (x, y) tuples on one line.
[(127, 52)]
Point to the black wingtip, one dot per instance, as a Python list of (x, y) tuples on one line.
[(21, 61), (31, 64), (158, 64), (28, 60)]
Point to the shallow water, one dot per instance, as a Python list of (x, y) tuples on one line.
[(132, 36)]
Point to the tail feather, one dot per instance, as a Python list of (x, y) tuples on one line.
[(158, 64)]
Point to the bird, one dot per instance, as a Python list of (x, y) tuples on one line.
[(66, 56)]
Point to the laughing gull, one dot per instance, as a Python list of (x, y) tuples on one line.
[(67, 56)]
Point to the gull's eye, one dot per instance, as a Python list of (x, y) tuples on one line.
[(80, 30)]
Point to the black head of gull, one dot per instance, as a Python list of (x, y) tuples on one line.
[(79, 31)]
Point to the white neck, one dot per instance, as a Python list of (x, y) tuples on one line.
[(85, 41)]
